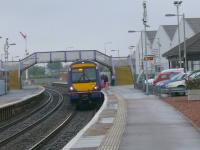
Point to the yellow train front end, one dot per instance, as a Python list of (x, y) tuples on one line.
[(84, 83)]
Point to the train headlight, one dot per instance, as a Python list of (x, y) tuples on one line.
[(71, 88), (96, 87)]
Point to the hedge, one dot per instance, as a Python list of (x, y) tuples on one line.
[(193, 84)]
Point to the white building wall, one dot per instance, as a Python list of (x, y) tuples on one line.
[(161, 44), (139, 54), (165, 45), (189, 33)]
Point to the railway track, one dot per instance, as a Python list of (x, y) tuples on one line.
[(42, 142), (79, 120), (50, 127), (12, 122), (14, 132)]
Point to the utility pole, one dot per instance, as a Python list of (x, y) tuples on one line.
[(177, 4), (26, 51), (145, 44), (159, 57), (185, 48), (6, 46), (142, 50)]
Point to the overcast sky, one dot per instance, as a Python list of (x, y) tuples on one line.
[(82, 24)]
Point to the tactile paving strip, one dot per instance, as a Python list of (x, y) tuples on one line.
[(114, 135)]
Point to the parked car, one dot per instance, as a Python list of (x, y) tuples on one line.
[(194, 75), (175, 78), (178, 84), (166, 75), (161, 86), (141, 80)]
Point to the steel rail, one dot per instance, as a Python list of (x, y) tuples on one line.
[(53, 133), (9, 139), (26, 116)]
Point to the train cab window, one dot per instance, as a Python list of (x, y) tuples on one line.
[(83, 75), (90, 74), (76, 75)]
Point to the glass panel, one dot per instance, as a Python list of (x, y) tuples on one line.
[(100, 57), (83, 75), (87, 55), (58, 56), (72, 56), (43, 57)]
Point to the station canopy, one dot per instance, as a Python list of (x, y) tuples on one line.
[(192, 49)]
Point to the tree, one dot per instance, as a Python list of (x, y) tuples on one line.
[(36, 71), (54, 66)]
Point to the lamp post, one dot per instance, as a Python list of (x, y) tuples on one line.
[(133, 57), (131, 49), (177, 4), (1, 53), (145, 44), (184, 36), (132, 52), (141, 32), (6, 47), (105, 44)]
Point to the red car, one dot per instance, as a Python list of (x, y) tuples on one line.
[(164, 76)]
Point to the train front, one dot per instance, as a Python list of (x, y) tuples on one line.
[(84, 83)]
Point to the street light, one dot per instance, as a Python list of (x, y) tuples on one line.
[(177, 4), (133, 31), (145, 43), (131, 48), (184, 35), (114, 50), (132, 54), (106, 43)]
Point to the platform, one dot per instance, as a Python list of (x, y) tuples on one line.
[(16, 96), (131, 120)]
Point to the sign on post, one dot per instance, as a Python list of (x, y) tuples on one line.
[(148, 57)]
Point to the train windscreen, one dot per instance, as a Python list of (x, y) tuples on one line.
[(83, 75)]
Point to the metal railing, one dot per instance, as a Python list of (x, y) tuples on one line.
[(66, 56)]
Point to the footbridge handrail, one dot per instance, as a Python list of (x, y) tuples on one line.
[(68, 56), (59, 56)]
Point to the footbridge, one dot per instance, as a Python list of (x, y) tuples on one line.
[(113, 63)]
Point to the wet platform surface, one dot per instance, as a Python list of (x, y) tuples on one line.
[(16, 96), (132, 120), (154, 125)]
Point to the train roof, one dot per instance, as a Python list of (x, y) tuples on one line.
[(83, 62)]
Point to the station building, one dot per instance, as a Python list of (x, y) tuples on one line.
[(163, 45), (140, 51)]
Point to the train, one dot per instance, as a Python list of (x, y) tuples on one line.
[(84, 84)]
